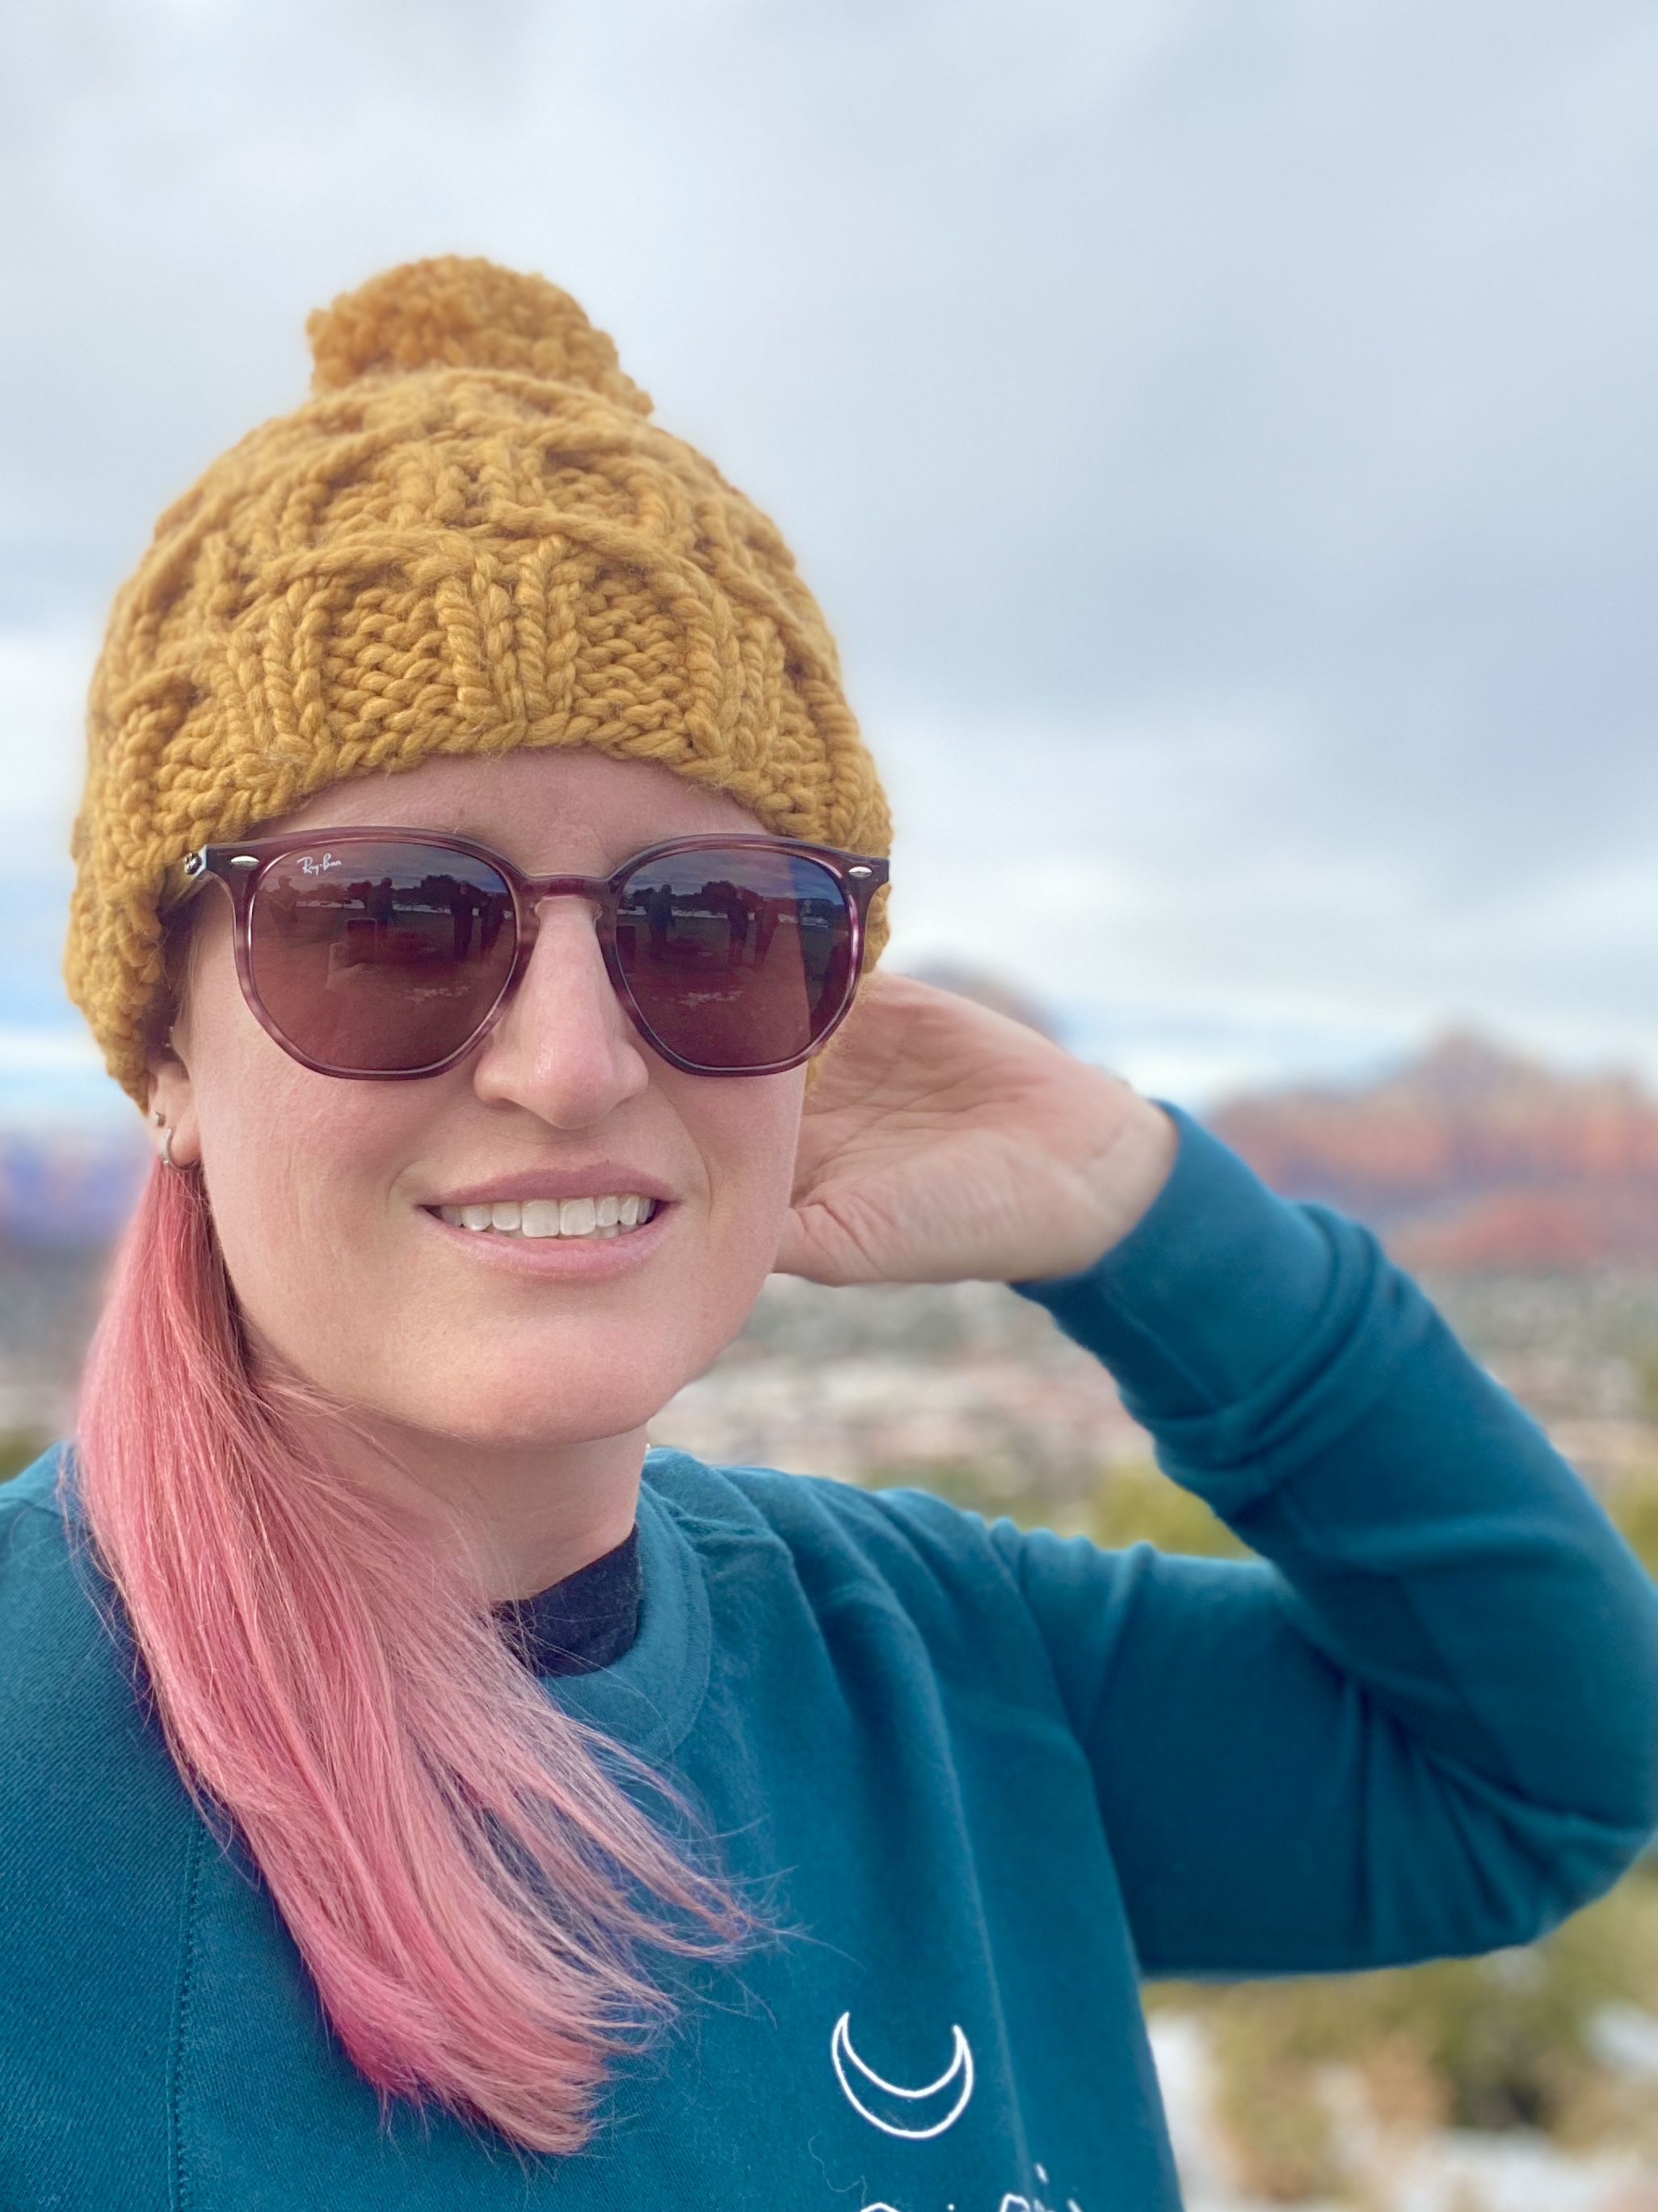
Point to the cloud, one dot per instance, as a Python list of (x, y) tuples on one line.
[(43, 681), (1172, 881)]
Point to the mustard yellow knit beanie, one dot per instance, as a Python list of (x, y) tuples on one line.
[(469, 538)]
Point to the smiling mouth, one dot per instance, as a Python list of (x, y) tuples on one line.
[(552, 1216)]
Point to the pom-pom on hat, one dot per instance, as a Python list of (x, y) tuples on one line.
[(471, 537)]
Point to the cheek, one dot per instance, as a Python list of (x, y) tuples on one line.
[(296, 1170), (747, 1133)]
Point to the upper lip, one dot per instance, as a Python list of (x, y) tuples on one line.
[(604, 1179)]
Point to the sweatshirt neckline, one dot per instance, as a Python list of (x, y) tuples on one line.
[(649, 1697)]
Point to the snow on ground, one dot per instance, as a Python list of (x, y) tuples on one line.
[(1391, 2172)]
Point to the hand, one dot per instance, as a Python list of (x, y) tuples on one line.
[(943, 1143)]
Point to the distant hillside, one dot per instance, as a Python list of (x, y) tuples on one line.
[(69, 1189), (1470, 1159)]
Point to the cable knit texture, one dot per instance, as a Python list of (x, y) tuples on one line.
[(471, 537)]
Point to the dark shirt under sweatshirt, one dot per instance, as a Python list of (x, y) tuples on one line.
[(584, 1622)]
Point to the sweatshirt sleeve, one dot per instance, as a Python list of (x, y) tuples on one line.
[(1426, 1722)]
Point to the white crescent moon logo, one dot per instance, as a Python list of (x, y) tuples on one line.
[(915, 2105)]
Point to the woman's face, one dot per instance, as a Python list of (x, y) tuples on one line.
[(327, 1193)]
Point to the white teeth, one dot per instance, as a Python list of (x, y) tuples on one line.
[(550, 1217)]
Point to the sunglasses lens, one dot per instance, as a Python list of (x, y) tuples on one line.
[(735, 959), (381, 958)]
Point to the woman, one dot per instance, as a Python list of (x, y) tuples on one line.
[(403, 1804)]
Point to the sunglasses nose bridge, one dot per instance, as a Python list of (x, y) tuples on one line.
[(533, 895), (536, 892)]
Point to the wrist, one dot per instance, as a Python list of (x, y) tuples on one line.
[(1132, 1172), (1219, 1286), (1100, 1194)]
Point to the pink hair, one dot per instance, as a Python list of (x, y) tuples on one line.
[(469, 1888)]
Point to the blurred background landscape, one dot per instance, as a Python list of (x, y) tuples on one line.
[(1223, 441)]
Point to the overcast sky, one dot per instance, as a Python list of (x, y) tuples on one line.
[(1223, 437)]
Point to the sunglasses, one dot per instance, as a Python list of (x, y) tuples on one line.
[(383, 955)]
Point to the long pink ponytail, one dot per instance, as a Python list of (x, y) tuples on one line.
[(470, 1890)]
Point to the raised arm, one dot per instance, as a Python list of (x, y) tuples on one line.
[(1429, 1723)]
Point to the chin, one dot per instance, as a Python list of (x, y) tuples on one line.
[(527, 1411)]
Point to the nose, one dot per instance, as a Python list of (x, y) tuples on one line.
[(563, 1048)]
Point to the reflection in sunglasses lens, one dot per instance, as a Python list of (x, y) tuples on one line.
[(381, 958), (737, 959)]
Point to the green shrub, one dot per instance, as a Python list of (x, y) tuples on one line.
[(1634, 1509), (1137, 1504), (18, 1447)]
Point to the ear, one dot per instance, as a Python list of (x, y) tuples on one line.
[(172, 1108)]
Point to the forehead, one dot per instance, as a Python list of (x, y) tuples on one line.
[(547, 810)]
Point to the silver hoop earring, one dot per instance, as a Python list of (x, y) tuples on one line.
[(168, 1160)]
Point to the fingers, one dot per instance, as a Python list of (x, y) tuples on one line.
[(817, 1246)]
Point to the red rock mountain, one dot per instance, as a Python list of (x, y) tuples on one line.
[(1470, 1159)]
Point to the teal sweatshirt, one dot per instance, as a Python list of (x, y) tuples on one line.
[(984, 1781)]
